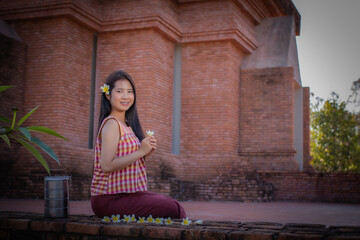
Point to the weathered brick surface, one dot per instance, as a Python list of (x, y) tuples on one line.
[(343, 237), (126, 231), (83, 228), (162, 232), (326, 187), (235, 235), (12, 72), (193, 234), (5, 235), (19, 224), (266, 119), (91, 227), (254, 186), (47, 226), (292, 236)]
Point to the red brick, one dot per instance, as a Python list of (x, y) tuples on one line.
[(47, 226), (343, 237), (291, 236), (17, 224), (83, 228), (242, 235), (193, 234), (162, 232), (212, 234), (122, 230), (5, 235)]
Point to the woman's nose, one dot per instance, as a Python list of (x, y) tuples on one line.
[(125, 95)]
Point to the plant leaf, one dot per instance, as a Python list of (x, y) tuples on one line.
[(5, 138), (34, 152), (5, 119), (46, 148), (26, 133), (23, 119), (45, 130), (3, 88), (14, 119)]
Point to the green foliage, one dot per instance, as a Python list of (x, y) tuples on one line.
[(23, 135), (335, 138)]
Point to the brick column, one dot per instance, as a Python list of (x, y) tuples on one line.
[(210, 110), (266, 119)]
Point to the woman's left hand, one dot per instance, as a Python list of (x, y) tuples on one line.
[(153, 145)]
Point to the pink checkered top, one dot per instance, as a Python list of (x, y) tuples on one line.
[(127, 180)]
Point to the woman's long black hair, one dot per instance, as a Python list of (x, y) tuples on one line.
[(131, 115)]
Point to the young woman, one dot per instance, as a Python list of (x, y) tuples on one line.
[(119, 184)]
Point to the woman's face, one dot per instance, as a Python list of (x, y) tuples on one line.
[(122, 96)]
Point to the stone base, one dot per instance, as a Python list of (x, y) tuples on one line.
[(35, 226)]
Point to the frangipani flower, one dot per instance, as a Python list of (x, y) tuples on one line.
[(116, 218), (133, 218), (150, 133), (159, 220), (142, 220), (105, 89), (186, 222), (168, 221), (126, 218), (199, 222), (150, 219), (106, 219)]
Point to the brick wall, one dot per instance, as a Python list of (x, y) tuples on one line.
[(58, 50), (225, 110), (12, 72), (262, 186), (210, 108), (266, 118), (324, 187)]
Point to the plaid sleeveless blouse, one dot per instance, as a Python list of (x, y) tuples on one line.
[(127, 180)]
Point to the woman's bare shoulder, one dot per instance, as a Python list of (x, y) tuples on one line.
[(111, 126)]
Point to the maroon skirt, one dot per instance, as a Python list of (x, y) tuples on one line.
[(142, 204)]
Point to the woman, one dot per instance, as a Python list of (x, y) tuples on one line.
[(119, 184)]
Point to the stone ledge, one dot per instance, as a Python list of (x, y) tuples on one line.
[(16, 225)]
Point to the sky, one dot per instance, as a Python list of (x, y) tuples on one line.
[(329, 45)]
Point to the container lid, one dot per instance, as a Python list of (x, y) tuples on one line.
[(57, 178)]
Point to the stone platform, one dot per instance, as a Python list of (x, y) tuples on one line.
[(16, 225)]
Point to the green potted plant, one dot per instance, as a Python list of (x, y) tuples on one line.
[(56, 187)]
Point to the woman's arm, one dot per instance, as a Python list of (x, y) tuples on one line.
[(110, 135)]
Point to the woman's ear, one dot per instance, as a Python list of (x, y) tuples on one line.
[(107, 96)]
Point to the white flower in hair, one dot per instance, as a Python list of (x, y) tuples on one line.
[(105, 89), (150, 133)]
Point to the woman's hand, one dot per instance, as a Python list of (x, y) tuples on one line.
[(153, 144), (148, 145)]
